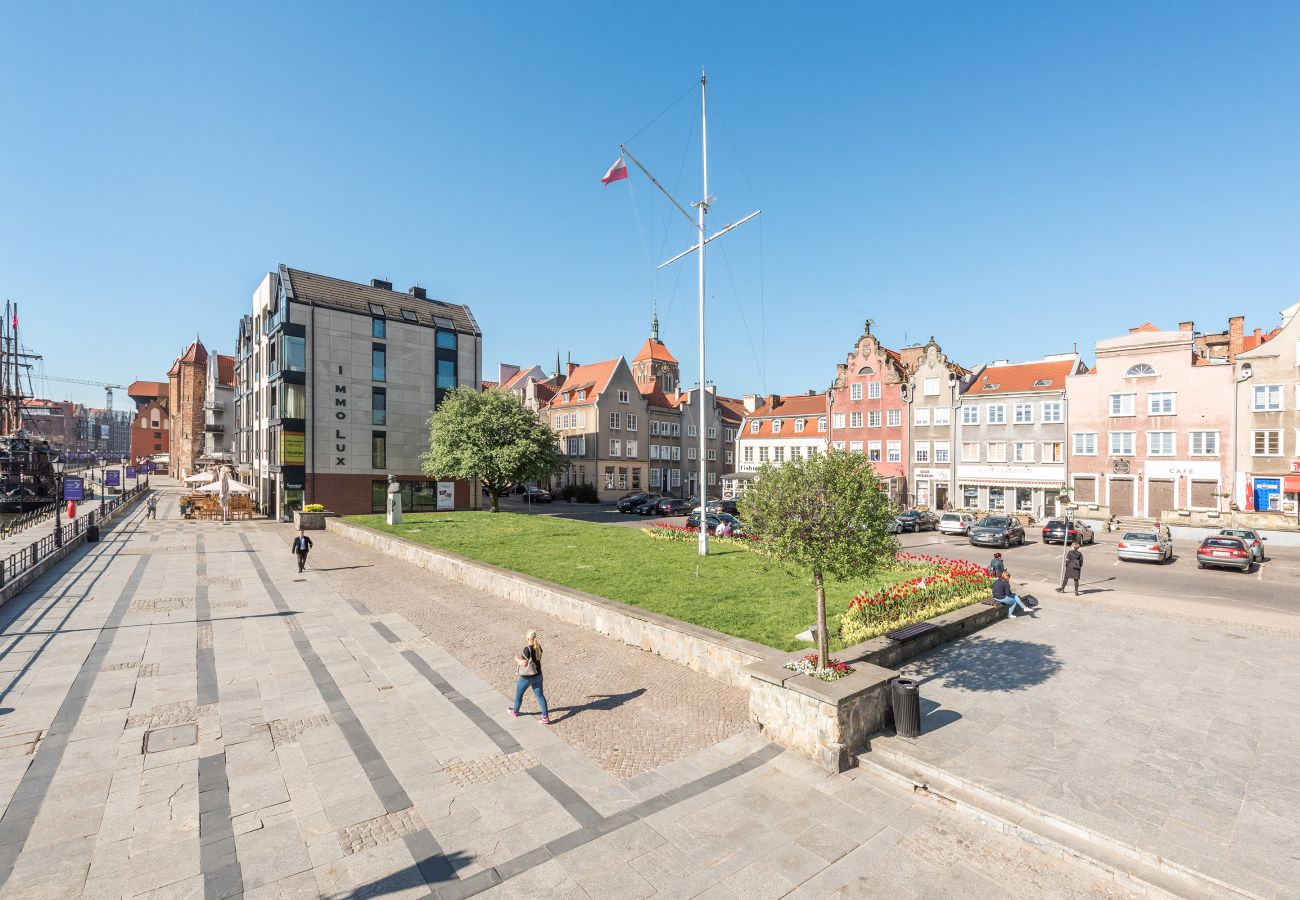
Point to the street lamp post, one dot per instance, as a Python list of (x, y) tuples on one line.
[(58, 465)]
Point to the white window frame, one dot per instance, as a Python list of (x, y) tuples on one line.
[(942, 452), (1051, 451), (1052, 412), (1207, 440), (839, 420), (932, 386), (629, 450), (623, 397), (1085, 439), (855, 420), (754, 426), (998, 455), (1254, 441), (921, 451), (966, 455), (1121, 405), (691, 431), (997, 414), (894, 451), (615, 421), (873, 451), (921, 416), (654, 426), (970, 415), (654, 451), (1268, 392), (942, 416), (1116, 443), (1023, 413), (1156, 403), (873, 418), (615, 447), (873, 390), (776, 426), (821, 423), (1022, 451), (1152, 450), (799, 425), (855, 391), (893, 418), (632, 422)]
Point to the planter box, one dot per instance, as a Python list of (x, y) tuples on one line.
[(310, 521)]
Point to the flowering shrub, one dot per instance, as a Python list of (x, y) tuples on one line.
[(938, 586), (808, 666), (664, 532)]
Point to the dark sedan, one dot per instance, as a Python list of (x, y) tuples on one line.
[(1054, 532), (918, 520), (1224, 551), (534, 494), (997, 531), (629, 503), (649, 506), (693, 521), (673, 506), (722, 506)]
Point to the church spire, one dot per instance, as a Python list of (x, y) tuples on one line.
[(654, 324)]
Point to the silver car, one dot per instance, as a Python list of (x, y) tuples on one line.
[(1254, 540), (955, 523), (1147, 546)]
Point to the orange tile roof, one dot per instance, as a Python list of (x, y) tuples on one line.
[(490, 385), (1022, 378), (147, 389), (653, 349), (1145, 326), (544, 392), (594, 377), (225, 369), (194, 353), (1251, 341), (515, 379), (793, 406)]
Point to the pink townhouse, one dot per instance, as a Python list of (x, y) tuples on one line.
[(1151, 427)]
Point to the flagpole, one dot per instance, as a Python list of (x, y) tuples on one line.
[(703, 208)]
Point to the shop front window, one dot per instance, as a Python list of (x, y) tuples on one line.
[(290, 503), (997, 498), (970, 497), (1024, 500)]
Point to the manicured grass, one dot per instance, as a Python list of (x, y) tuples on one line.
[(730, 590)]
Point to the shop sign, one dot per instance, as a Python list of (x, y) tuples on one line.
[(74, 488), (293, 448)]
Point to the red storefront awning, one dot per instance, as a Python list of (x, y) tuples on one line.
[(1291, 484)]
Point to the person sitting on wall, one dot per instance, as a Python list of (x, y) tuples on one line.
[(1003, 594)]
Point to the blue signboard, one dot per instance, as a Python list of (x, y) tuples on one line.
[(113, 478), (1267, 493), (74, 488), (130, 472), (153, 467)]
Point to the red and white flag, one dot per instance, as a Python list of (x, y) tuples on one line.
[(617, 172)]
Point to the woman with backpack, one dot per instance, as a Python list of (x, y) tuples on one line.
[(529, 662)]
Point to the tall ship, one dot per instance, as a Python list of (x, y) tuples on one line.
[(27, 477)]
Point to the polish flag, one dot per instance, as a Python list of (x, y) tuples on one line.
[(617, 172)]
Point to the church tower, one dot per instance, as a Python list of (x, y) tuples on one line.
[(654, 364)]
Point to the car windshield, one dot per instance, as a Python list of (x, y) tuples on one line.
[(1223, 542), (1241, 534), (995, 522), (950, 517), (1055, 523), (1139, 536)]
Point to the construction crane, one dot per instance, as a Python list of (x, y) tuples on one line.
[(108, 388)]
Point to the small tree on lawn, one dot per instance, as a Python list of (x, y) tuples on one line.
[(822, 517), (492, 437)]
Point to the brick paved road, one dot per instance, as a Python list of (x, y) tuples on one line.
[(626, 710)]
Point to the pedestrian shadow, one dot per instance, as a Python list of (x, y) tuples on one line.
[(429, 872), (338, 568), (987, 664), (595, 702)]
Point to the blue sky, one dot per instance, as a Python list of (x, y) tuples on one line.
[(1011, 178)]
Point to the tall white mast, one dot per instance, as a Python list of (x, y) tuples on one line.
[(703, 207)]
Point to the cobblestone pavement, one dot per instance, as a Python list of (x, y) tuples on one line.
[(1176, 737), (626, 710), (271, 738)]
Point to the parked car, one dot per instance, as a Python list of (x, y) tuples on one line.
[(918, 520), (997, 531), (693, 521), (1054, 532), (1146, 546), (1225, 551), (629, 502), (1254, 540), (893, 526), (955, 523), (722, 506), (673, 506), (534, 494), (649, 506)]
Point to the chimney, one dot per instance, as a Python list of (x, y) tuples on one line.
[(773, 400), (570, 367), (418, 292), (506, 371), (1186, 326), (1236, 325), (751, 402), (381, 284), (810, 393)]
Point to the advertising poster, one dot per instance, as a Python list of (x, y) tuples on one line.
[(113, 478), (446, 495), (293, 449), (74, 488), (130, 472)]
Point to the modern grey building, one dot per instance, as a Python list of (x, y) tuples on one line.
[(338, 382)]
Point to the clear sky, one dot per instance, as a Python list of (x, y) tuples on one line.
[(1009, 177)]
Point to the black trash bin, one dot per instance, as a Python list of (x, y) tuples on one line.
[(905, 697), (92, 534)]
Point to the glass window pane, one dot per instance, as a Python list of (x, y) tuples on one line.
[(446, 339), (378, 328), (378, 364), (446, 374), (295, 401), (378, 451)]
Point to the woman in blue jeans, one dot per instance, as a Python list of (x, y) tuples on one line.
[(530, 676)]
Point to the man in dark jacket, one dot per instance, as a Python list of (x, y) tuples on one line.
[(301, 547), (1003, 594), (1073, 568)]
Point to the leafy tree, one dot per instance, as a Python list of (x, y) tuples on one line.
[(822, 517), (492, 437)]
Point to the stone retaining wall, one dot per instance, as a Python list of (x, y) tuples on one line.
[(703, 650)]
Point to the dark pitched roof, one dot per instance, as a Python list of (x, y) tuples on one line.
[(348, 296)]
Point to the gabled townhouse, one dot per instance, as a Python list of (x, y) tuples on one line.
[(599, 415), (932, 391), (1011, 427), (1267, 402), (775, 429), (1151, 426), (532, 386), (867, 410)]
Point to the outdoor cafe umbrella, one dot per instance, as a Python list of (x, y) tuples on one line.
[(200, 478), (232, 487)]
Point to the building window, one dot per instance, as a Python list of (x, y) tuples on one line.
[(921, 416), (873, 390), (754, 426), (855, 419), (654, 426), (1121, 443), (378, 363), (677, 429), (446, 340), (1161, 403), (295, 353), (873, 451), (691, 453), (1024, 413), (855, 391), (970, 451), (942, 416), (728, 457), (1053, 451), (615, 447), (654, 451), (894, 418), (970, 415), (921, 451), (778, 454), (1161, 443), (622, 396), (799, 425), (1141, 370), (1122, 405), (654, 478), (629, 450), (821, 424), (675, 477), (1085, 443), (776, 426), (677, 452), (632, 422), (1022, 451), (873, 418), (378, 450), (997, 451), (997, 415), (615, 421), (294, 400), (932, 387), (762, 455), (895, 451), (378, 328), (1052, 412), (636, 478), (713, 455), (1266, 398), (997, 498), (854, 447), (941, 452), (1204, 443), (713, 433), (446, 378), (609, 478), (838, 419), (747, 454), (1266, 443), (378, 406)]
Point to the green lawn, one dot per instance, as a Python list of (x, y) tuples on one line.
[(729, 591)]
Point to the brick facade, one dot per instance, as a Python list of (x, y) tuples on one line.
[(185, 388), (151, 429)]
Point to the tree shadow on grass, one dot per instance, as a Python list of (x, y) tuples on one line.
[(987, 664)]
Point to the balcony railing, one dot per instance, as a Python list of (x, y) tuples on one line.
[(215, 405), (214, 428)]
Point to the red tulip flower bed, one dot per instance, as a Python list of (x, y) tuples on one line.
[(938, 586)]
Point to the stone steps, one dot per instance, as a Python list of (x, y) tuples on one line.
[(1128, 866)]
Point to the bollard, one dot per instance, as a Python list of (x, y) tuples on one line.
[(905, 697)]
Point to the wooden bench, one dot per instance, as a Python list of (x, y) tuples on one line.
[(911, 631)]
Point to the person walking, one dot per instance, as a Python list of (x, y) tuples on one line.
[(301, 547), (529, 662), (151, 507), (1073, 568), (997, 566), (1002, 593)]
